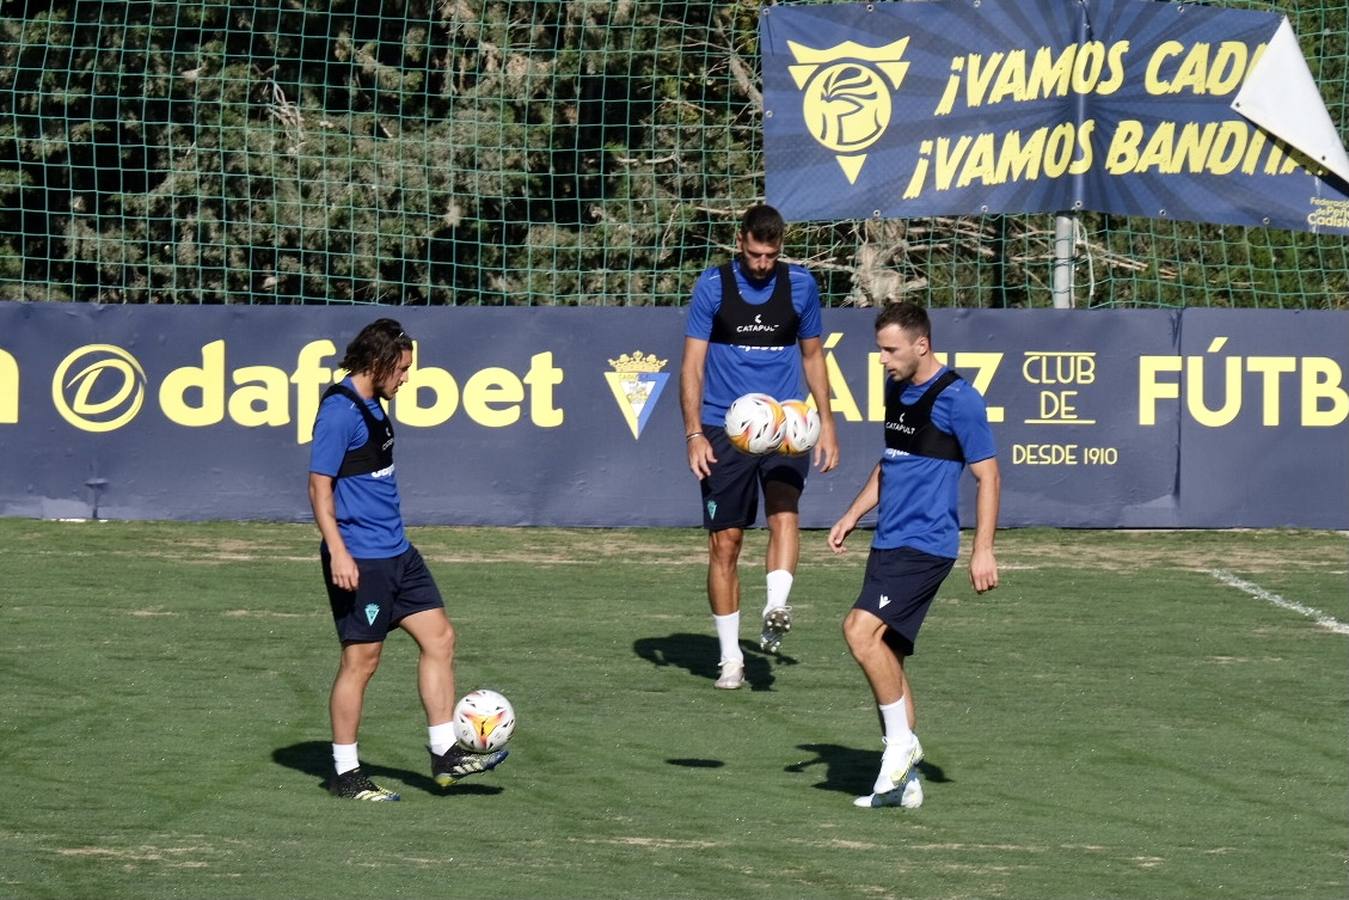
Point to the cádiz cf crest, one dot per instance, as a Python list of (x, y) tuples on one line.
[(846, 95), (637, 381)]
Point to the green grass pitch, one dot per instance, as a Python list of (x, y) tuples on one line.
[(1115, 721)]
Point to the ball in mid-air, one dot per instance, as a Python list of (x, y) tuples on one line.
[(754, 424), (801, 427), (483, 721)]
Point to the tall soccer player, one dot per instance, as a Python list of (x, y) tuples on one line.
[(376, 579), (936, 424), (753, 326)]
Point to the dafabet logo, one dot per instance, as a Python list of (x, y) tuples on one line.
[(9, 389), (103, 387), (99, 387)]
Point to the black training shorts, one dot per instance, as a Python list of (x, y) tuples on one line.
[(898, 588), (388, 591), (731, 492)]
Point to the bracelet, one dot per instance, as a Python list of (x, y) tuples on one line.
[(691, 435)]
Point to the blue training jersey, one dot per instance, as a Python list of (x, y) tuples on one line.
[(732, 369), (367, 506), (919, 494)]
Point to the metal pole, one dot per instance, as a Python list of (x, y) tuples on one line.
[(1063, 261), (1064, 221)]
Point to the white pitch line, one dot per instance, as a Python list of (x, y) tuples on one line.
[(1255, 590)]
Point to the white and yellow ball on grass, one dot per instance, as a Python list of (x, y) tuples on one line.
[(800, 429), (754, 424), (483, 721)]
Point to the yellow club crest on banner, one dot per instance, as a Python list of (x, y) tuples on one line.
[(846, 95), (636, 383)]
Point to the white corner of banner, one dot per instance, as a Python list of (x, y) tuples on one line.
[(1281, 97)]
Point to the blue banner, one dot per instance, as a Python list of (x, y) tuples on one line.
[(1142, 418), (1131, 107)]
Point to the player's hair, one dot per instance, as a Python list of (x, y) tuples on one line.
[(910, 317), (377, 350), (763, 223)]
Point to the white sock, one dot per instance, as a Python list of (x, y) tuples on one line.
[(897, 734), (345, 758), (440, 737), (896, 719), (779, 588), (728, 635)]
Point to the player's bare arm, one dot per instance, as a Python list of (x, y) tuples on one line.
[(983, 565), (699, 447), (865, 502), (817, 379), (345, 573)]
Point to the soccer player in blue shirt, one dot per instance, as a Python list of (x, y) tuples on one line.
[(753, 326), (936, 424), (376, 579)]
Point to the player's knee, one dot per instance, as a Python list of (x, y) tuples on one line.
[(360, 664), (724, 546), (441, 644), (859, 634), (850, 636)]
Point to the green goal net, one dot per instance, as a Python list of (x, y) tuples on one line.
[(516, 152)]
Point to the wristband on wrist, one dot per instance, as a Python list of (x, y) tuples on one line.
[(691, 435)]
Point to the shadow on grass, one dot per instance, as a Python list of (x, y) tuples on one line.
[(315, 758), (700, 654), (850, 771)]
